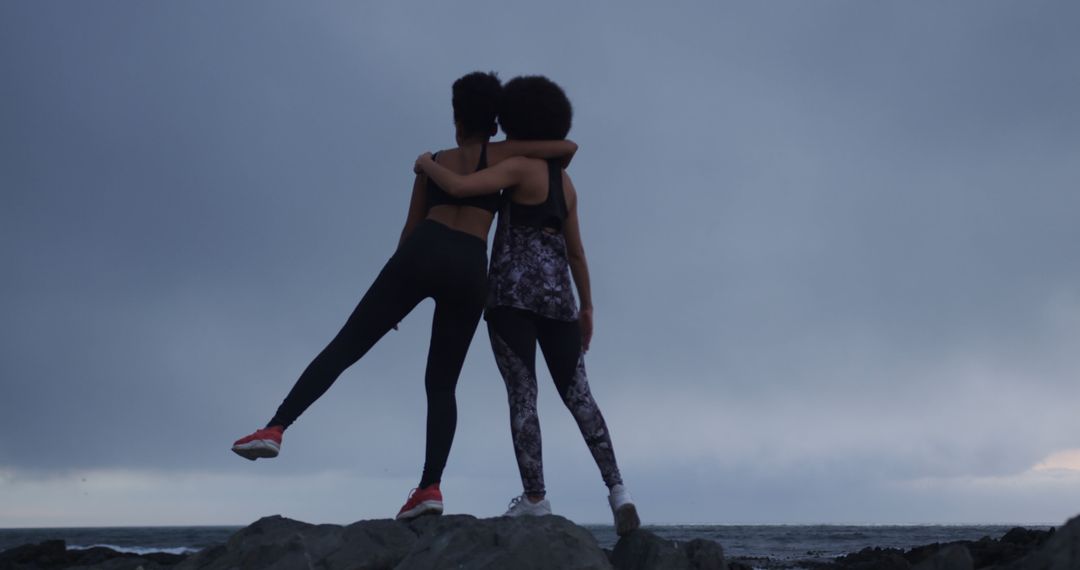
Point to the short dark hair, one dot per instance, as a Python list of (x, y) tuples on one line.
[(535, 108), (476, 102)]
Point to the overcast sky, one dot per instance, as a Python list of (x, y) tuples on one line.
[(835, 254)]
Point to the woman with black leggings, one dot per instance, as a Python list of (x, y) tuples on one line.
[(442, 254), (537, 247)]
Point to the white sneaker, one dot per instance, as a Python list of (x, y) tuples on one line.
[(521, 506), (622, 507)]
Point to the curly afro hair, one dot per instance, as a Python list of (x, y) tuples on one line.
[(476, 102), (535, 108)]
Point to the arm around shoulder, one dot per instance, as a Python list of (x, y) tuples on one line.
[(544, 150), (487, 181)]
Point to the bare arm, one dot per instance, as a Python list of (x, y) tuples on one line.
[(579, 266), (417, 207), (487, 181), (564, 149)]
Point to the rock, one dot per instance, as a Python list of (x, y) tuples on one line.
[(874, 559), (1023, 537), (54, 554), (954, 557), (1016, 544), (373, 544), (270, 542), (643, 550), (122, 563), (455, 541), (428, 543), (705, 554), (524, 543), (50, 553), (280, 543), (1061, 551), (464, 542)]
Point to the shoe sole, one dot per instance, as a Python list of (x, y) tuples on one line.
[(626, 520), (253, 450), (426, 507)]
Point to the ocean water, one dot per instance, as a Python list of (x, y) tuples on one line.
[(777, 542), (814, 542), (140, 540)]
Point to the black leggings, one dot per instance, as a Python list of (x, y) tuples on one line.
[(434, 261), (514, 334)]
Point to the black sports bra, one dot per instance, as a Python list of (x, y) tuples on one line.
[(552, 212), (436, 196)]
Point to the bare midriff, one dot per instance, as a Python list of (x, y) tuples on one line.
[(473, 221)]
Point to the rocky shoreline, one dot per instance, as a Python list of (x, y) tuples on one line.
[(551, 542)]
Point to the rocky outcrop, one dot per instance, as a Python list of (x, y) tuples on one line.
[(280, 543), (429, 543), (55, 554), (643, 550), (872, 559), (465, 542), (988, 552), (954, 557), (1061, 551), (490, 544), (1018, 549)]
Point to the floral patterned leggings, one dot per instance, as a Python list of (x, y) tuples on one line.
[(514, 334)]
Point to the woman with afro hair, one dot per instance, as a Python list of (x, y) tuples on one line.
[(537, 248)]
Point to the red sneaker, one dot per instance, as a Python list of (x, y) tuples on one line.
[(421, 502), (265, 442)]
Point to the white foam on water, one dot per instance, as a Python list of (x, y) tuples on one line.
[(138, 549)]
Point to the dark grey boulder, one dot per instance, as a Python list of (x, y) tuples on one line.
[(272, 543), (874, 559), (55, 554), (132, 563), (1013, 546), (954, 557), (51, 553), (1060, 552), (524, 543), (705, 554), (429, 543), (643, 550), (372, 545)]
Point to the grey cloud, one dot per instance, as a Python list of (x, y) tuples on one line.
[(830, 204)]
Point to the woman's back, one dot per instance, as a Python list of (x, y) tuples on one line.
[(474, 215), (463, 217)]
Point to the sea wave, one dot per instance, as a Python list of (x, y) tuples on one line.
[(181, 550)]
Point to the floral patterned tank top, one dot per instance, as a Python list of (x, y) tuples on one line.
[(529, 267)]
